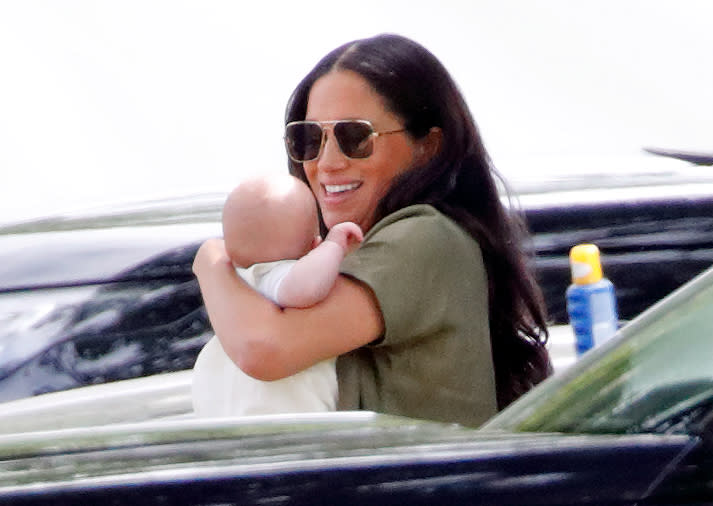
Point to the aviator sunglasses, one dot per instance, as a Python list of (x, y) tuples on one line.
[(305, 139)]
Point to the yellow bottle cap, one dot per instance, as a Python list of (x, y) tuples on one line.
[(585, 264)]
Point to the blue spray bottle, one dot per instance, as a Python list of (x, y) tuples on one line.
[(591, 303)]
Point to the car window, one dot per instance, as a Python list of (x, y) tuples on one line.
[(655, 377)]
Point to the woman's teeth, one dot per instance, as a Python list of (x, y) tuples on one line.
[(338, 188)]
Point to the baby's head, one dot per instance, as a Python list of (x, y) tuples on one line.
[(269, 218)]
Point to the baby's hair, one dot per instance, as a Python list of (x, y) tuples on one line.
[(267, 219)]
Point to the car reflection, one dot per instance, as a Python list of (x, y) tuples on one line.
[(139, 325)]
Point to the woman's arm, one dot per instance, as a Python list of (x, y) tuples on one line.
[(270, 343), (311, 278)]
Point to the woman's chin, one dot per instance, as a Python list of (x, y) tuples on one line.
[(333, 220)]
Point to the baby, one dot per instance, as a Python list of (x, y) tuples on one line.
[(271, 225)]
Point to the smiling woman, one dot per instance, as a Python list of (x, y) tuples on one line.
[(358, 191), (383, 137)]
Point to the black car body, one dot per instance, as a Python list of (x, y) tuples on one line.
[(340, 460), (614, 429), (654, 229), (110, 295)]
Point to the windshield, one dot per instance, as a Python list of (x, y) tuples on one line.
[(656, 376)]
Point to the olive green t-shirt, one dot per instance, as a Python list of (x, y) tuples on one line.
[(434, 359)]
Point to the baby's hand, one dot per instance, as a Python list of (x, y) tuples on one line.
[(347, 234)]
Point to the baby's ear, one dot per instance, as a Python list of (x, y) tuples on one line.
[(316, 241)]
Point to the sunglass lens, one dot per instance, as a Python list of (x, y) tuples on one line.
[(303, 141), (355, 138)]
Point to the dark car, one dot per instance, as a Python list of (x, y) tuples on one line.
[(110, 295), (631, 423), (103, 297)]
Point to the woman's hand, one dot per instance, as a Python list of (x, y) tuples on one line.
[(211, 253)]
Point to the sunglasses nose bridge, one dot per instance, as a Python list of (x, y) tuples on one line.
[(328, 135), (331, 156)]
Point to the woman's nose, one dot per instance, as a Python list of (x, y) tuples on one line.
[(331, 157)]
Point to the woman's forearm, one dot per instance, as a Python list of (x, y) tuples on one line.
[(270, 343), (227, 297)]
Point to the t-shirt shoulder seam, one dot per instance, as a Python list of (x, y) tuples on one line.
[(431, 221)]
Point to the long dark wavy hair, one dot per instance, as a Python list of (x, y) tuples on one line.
[(460, 181)]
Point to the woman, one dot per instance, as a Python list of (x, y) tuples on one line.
[(436, 316)]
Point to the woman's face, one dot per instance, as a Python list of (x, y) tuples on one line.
[(349, 189)]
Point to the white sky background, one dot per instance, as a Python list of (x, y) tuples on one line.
[(111, 100)]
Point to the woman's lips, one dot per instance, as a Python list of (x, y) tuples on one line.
[(336, 189), (339, 202)]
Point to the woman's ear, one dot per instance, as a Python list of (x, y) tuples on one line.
[(429, 145)]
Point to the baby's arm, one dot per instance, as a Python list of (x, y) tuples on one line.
[(312, 276)]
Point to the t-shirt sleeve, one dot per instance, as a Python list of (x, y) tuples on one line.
[(412, 263), (267, 277)]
